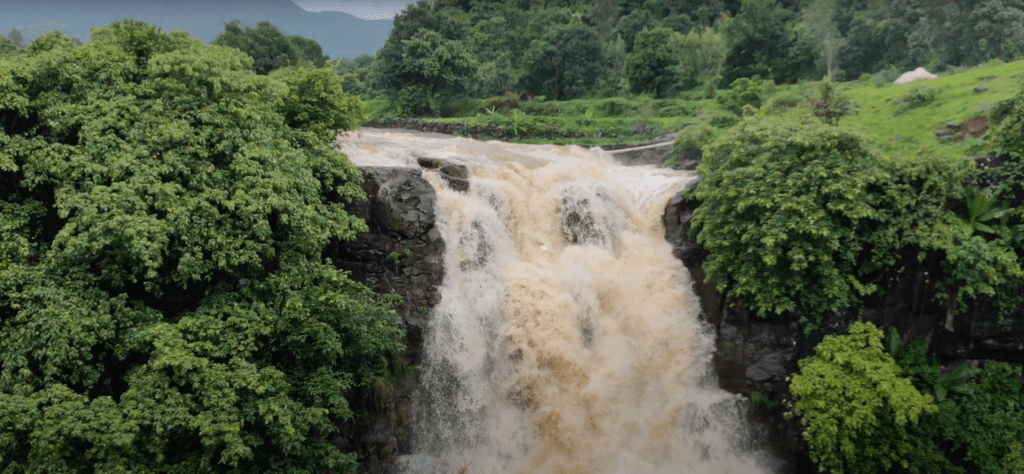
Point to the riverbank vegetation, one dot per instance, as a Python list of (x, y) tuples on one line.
[(165, 302)]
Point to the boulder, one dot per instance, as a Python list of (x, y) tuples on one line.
[(980, 89), (915, 75)]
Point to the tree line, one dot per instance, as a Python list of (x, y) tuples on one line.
[(567, 49)]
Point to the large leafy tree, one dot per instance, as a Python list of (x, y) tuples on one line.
[(565, 64), (425, 53), (759, 41), (799, 216), (165, 305), (652, 65), (269, 48)]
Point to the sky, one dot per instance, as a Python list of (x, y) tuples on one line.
[(364, 9)]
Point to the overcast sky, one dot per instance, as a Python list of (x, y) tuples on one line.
[(365, 9)]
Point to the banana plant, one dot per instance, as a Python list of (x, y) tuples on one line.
[(958, 381), (518, 122), (982, 209)]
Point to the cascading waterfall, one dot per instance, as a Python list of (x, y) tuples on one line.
[(567, 339)]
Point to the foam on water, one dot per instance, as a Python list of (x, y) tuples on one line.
[(568, 338)]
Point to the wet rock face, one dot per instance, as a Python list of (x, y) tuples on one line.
[(403, 251)]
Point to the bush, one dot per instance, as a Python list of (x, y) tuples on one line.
[(690, 143), (538, 108), (502, 104), (722, 119), (797, 216), (782, 101), (978, 418), (918, 97), (741, 92), (613, 107), (856, 408), (887, 76), (831, 104), (458, 106)]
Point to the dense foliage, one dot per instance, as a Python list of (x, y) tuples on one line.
[(800, 216), (269, 48), (165, 305), (857, 408), (570, 49), (980, 417), (856, 396)]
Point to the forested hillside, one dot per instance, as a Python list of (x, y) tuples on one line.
[(567, 49)]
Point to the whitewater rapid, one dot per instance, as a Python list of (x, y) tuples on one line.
[(568, 338)]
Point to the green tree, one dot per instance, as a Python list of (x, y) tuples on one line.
[(309, 51), (651, 66), (425, 52), (16, 38), (759, 40), (165, 305), (629, 26), (702, 56), (269, 48), (831, 104), (856, 407), (563, 65), (7, 47), (819, 20)]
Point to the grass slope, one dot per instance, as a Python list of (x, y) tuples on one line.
[(913, 130), (897, 128)]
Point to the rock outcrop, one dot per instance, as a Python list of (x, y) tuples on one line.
[(403, 253)]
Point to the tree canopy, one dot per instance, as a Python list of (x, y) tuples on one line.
[(165, 305), (270, 48)]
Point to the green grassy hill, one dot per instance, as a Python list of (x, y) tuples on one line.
[(885, 111), (902, 129)]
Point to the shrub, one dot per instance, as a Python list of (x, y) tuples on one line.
[(856, 408), (722, 119), (614, 107), (502, 104), (690, 143), (918, 97), (979, 416), (741, 92), (780, 102), (831, 104), (796, 216), (887, 76)]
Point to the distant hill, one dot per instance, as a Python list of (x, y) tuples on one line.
[(340, 34)]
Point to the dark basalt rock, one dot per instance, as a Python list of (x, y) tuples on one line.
[(429, 163), (455, 170), (402, 252), (456, 184)]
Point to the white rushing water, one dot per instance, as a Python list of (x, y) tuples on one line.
[(567, 339)]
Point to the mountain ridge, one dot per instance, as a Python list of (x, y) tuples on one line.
[(339, 34)]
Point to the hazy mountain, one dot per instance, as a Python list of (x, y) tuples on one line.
[(340, 34)]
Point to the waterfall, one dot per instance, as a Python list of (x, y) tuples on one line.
[(568, 338)]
